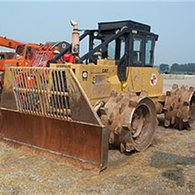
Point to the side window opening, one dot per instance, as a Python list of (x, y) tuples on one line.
[(84, 47), (96, 42), (29, 53), (2, 57), (98, 54), (137, 45), (111, 50), (20, 51), (148, 52), (122, 48)]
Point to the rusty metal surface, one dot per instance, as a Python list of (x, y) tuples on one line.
[(78, 141), (179, 107), (52, 113)]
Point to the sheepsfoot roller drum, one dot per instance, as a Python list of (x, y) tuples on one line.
[(179, 107), (131, 120)]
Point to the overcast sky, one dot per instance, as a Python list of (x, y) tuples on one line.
[(49, 21)]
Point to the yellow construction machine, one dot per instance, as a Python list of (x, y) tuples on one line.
[(109, 96)]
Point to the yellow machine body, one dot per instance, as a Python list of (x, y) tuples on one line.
[(99, 80)]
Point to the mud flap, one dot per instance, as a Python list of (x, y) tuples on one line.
[(47, 109)]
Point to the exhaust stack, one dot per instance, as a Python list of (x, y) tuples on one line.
[(75, 38)]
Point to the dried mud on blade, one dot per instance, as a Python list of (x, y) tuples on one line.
[(46, 108)]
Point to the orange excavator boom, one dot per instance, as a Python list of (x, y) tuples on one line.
[(12, 44), (9, 43)]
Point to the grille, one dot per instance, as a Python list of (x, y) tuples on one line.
[(41, 91)]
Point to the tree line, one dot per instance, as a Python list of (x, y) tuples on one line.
[(175, 68)]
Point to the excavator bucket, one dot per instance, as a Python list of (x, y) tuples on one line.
[(47, 109)]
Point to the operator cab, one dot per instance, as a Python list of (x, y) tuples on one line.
[(124, 41), (25, 51)]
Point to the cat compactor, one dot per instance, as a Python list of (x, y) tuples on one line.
[(108, 96)]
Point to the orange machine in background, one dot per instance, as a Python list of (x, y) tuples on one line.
[(23, 56), (28, 54), (24, 52)]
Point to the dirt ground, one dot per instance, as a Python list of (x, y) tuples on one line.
[(167, 167), (169, 79)]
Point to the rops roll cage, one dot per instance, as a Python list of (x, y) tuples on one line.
[(134, 37)]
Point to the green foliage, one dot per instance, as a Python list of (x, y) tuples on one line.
[(188, 68), (183, 68), (164, 68)]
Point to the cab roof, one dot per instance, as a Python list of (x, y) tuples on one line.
[(104, 26)]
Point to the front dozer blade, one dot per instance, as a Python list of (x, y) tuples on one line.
[(47, 109)]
